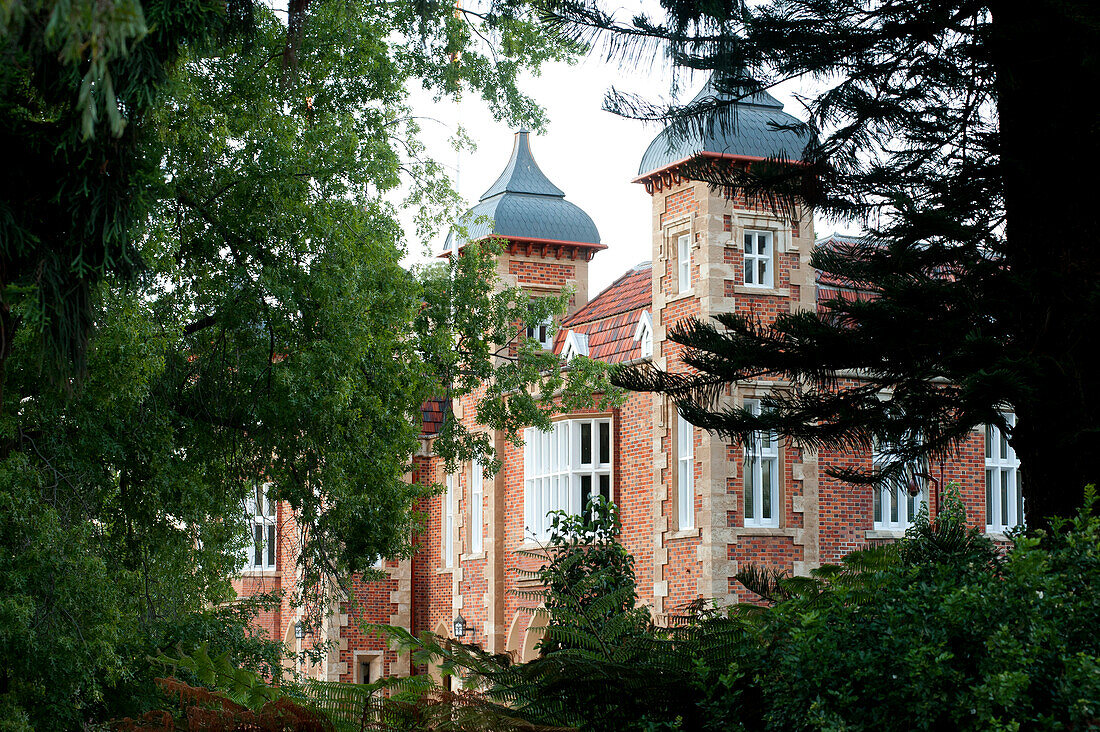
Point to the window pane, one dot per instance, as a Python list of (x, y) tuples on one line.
[(1004, 497), (605, 442), (748, 272), (989, 440), (271, 545), (605, 486), (876, 502), (1019, 501), (989, 497), (766, 478), (586, 443), (748, 243), (893, 504), (763, 278), (750, 509), (258, 545), (1004, 445)]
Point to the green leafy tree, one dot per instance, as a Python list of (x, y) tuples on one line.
[(271, 334), (953, 132), (937, 631)]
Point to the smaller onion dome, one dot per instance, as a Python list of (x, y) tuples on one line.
[(751, 131), (524, 205)]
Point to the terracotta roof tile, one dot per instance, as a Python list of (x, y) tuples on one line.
[(632, 291), (611, 318)]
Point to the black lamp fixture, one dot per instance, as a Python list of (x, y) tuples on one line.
[(299, 630), (459, 626)]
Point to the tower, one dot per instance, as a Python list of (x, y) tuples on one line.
[(549, 241), (716, 251)]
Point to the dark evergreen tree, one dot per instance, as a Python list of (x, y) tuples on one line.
[(957, 134)]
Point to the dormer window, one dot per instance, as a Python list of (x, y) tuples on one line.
[(576, 344), (643, 333), (542, 332)]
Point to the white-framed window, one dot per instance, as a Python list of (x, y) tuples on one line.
[(685, 473), (543, 332), (1004, 497), (261, 549), (643, 333), (447, 532), (683, 262), (477, 492), (893, 507), (758, 258), (563, 468), (761, 472)]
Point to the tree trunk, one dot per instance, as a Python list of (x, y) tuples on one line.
[(1050, 155)]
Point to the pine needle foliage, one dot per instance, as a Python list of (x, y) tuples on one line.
[(953, 135)]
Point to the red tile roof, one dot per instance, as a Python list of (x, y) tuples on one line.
[(611, 318), (431, 415), (632, 291)]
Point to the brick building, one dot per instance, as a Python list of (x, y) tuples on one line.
[(695, 507)]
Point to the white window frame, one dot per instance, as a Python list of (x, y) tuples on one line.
[(446, 532), (542, 333), (477, 521), (643, 333), (683, 263), (685, 473), (557, 468), (1004, 501), (892, 507), (762, 450), (263, 534), (576, 344), (759, 250)]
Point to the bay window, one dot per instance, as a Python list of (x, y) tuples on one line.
[(563, 469)]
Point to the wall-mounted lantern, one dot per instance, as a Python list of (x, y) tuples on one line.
[(299, 630), (460, 626)]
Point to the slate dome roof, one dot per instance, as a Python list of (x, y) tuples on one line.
[(524, 204), (748, 131)]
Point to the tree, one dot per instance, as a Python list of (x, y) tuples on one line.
[(953, 132), (937, 631), (270, 334)]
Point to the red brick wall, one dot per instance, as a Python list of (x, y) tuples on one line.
[(545, 274)]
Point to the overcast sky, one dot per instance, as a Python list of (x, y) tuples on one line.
[(590, 154)]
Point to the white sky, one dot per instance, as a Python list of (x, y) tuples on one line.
[(590, 154)]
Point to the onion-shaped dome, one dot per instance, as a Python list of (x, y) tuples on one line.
[(524, 205), (752, 130)]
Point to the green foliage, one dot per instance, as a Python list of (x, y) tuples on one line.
[(939, 631), (589, 582), (219, 284)]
